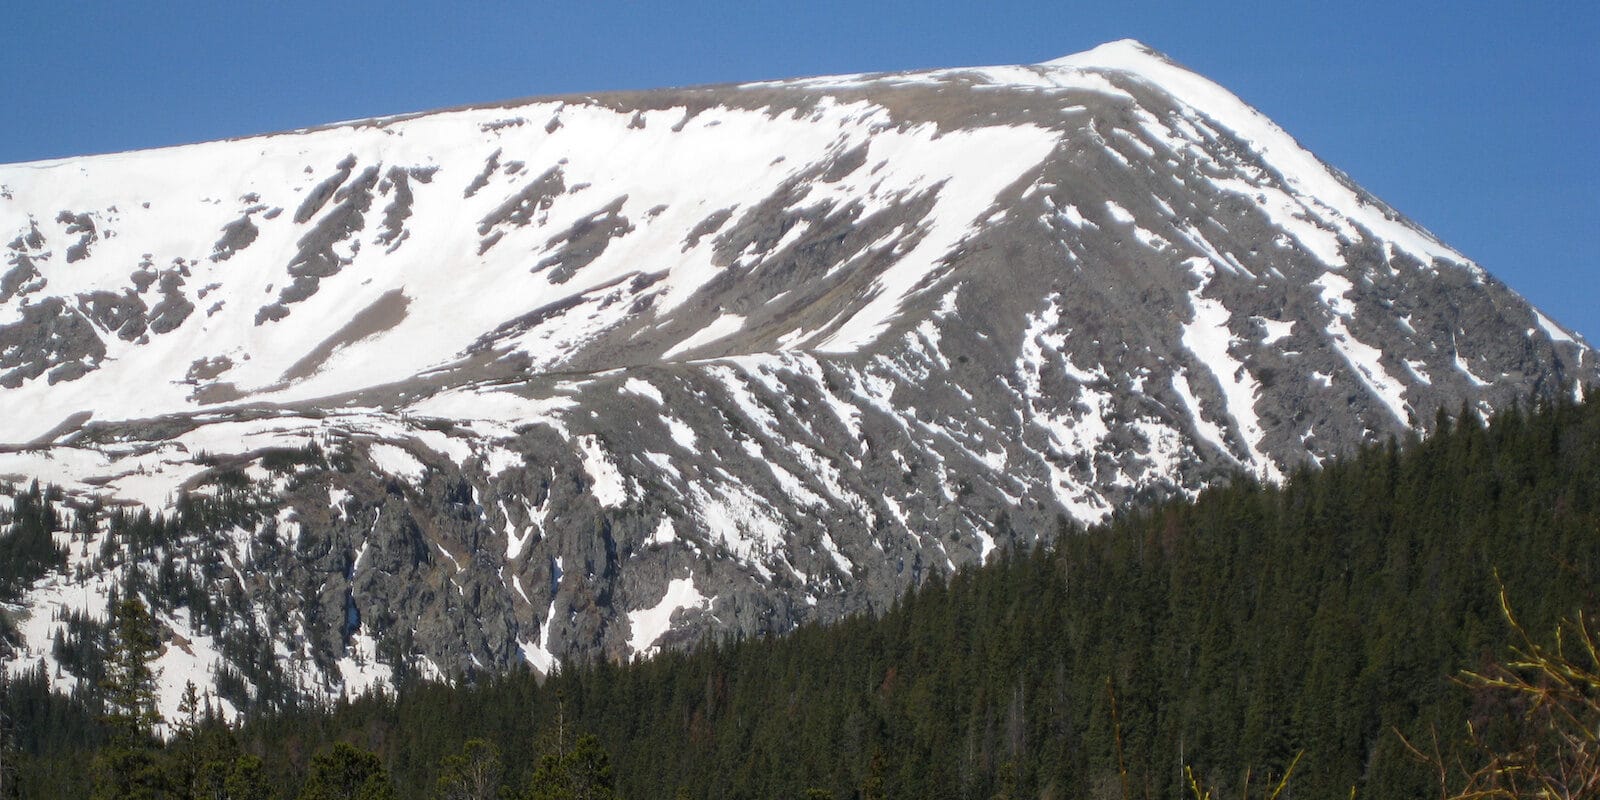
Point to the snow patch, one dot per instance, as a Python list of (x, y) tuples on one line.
[(605, 480), (648, 625), (397, 462)]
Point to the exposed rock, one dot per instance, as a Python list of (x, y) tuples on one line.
[(585, 241), (236, 236)]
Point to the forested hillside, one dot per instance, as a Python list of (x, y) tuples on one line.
[(1325, 616)]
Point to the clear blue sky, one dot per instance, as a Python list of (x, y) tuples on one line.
[(1479, 120)]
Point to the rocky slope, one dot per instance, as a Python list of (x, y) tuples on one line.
[(586, 377)]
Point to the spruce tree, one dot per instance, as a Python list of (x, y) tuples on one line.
[(473, 774), (347, 772), (246, 780), (579, 772), (130, 680), (128, 767)]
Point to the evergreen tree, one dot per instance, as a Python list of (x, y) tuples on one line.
[(347, 772), (124, 772), (473, 774), (581, 772), (8, 747), (246, 780), (128, 766), (208, 760), (130, 680)]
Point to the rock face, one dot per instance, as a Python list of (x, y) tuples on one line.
[(586, 377)]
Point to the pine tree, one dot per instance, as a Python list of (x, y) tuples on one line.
[(130, 681), (128, 767), (347, 772), (125, 772), (581, 772), (473, 774), (8, 748), (247, 780)]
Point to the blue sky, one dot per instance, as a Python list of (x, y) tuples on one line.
[(1479, 120)]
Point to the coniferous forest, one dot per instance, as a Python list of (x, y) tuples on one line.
[(1324, 624)]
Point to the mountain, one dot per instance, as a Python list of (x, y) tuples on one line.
[(592, 376)]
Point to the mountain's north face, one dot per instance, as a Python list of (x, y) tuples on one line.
[(591, 376)]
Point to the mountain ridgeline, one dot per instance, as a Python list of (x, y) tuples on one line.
[(583, 378), (1322, 618)]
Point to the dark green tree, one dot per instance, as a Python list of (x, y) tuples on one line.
[(8, 748), (473, 774), (128, 767), (347, 772), (246, 780), (130, 680), (215, 767), (581, 772), (124, 772)]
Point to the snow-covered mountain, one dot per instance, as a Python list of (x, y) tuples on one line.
[(591, 376)]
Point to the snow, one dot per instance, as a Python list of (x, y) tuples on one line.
[(1288, 212), (845, 565), (498, 459), (539, 653), (648, 625), (1554, 331), (605, 481), (1365, 361), (1149, 239), (1011, 76), (643, 389), (664, 534), (516, 539), (1275, 330), (1208, 337), (453, 448), (1323, 195), (494, 412), (1334, 290), (45, 608), (663, 462), (336, 498), (1068, 432), (721, 328), (739, 519), (1118, 213), (973, 166), (359, 668), (188, 657), (1072, 216), (721, 158), (1464, 369), (1207, 429), (397, 462)]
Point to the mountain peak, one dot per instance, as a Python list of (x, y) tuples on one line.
[(1118, 53)]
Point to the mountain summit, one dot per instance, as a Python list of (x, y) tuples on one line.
[(591, 376)]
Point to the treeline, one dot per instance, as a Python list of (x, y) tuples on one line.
[(1322, 619), (1325, 616)]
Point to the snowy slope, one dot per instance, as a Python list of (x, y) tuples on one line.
[(588, 376)]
